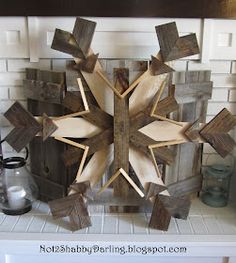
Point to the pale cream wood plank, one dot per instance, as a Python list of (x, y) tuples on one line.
[(144, 92), (81, 88), (132, 183), (74, 128), (81, 166), (97, 166), (158, 97), (113, 178), (163, 144), (144, 169)]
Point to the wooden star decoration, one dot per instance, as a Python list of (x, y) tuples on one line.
[(128, 130)]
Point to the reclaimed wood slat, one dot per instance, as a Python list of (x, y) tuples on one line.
[(49, 127), (121, 131), (174, 47), (26, 127), (158, 67), (65, 42), (43, 91), (74, 207), (215, 132), (83, 32)]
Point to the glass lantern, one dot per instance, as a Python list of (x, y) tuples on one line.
[(20, 189), (216, 182)]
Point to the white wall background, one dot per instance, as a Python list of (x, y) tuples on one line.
[(25, 42)]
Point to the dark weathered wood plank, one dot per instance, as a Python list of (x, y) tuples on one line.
[(186, 187), (192, 131), (162, 154), (104, 8), (74, 207), (154, 189), (95, 143), (43, 91), (26, 127), (121, 131), (83, 33), (56, 77), (158, 67), (48, 190), (87, 64), (215, 132), (160, 218), (166, 106), (49, 127), (174, 47), (65, 42)]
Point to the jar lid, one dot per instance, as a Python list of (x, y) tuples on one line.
[(219, 171), (13, 162)]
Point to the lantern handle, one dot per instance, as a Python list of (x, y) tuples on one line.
[(231, 165), (26, 150)]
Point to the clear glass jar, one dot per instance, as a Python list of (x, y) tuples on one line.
[(216, 182), (20, 189)]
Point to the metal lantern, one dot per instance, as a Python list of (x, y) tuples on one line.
[(215, 189), (19, 187)]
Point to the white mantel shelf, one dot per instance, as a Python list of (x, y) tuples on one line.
[(208, 232)]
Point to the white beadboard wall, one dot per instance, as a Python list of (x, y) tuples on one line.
[(25, 42)]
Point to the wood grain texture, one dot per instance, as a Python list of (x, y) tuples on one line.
[(74, 207), (43, 91), (192, 131), (49, 190), (49, 127), (154, 189), (166, 106), (83, 32), (141, 141), (83, 188), (121, 131), (26, 127), (174, 47), (87, 64), (186, 187), (158, 67), (160, 218), (95, 143), (65, 42), (215, 132)]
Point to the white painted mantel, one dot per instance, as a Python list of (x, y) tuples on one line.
[(209, 234)]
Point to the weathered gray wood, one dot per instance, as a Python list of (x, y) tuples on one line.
[(175, 47), (26, 127), (83, 33), (193, 106), (65, 42), (162, 154), (186, 187), (215, 132), (160, 218), (49, 127), (95, 143), (45, 157), (75, 208), (166, 106), (121, 131), (48, 190), (87, 64), (158, 67), (43, 91), (192, 131)]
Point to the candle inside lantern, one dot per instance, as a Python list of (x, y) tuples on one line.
[(16, 197)]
